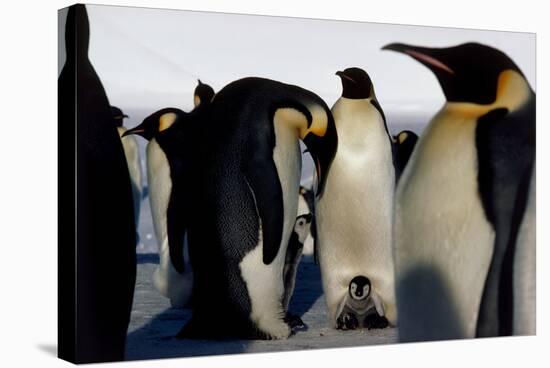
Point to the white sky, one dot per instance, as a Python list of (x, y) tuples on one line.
[(150, 58)]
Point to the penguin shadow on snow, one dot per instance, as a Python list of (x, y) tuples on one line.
[(156, 339), (430, 297), (308, 287), (148, 258)]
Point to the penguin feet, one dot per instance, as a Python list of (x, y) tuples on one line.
[(274, 329), (295, 322), (375, 321), (347, 321)]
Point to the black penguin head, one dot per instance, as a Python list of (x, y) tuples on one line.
[(356, 83), (203, 94), (359, 288), (118, 115), (156, 123), (467, 73)]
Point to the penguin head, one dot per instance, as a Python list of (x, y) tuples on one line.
[(469, 72), (118, 115), (405, 136), (356, 83), (302, 225), (203, 94), (157, 123), (359, 288)]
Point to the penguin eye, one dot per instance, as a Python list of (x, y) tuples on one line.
[(353, 287), (300, 223)]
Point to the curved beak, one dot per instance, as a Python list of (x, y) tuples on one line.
[(343, 75), (430, 57), (139, 130), (399, 47), (322, 150)]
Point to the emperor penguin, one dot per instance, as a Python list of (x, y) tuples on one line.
[(172, 284), (163, 161), (462, 198), (131, 152), (404, 143), (242, 201), (97, 237), (354, 216)]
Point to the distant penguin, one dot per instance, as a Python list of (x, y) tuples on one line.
[(163, 162), (131, 152), (97, 244), (292, 261), (169, 282), (404, 143), (354, 216), (361, 308), (462, 198), (203, 94), (242, 203)]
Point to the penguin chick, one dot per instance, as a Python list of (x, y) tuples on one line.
[(203, 93), (306, 205), (361, 307), (404, 143), (292, 260)]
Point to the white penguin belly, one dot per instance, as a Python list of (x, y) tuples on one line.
[(173, 285), (265, 282), (440, 222), (525, 268), (131, 151), (355, 213)]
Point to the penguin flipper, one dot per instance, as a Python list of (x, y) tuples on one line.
[(506, 148), (175, 226), (315, 246), (263, 179)]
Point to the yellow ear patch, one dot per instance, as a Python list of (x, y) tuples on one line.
[(402, 137), (197, 100), (166, 121), (319, 121), (512, 90), (296, 119)]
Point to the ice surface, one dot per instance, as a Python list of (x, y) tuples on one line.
[(153, 323)]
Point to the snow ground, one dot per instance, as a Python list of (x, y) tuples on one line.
[(154, 323)]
